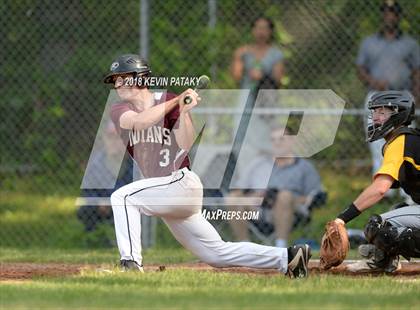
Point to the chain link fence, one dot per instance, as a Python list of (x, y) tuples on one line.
[(54, 55)]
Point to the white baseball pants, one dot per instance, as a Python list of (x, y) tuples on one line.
[(177, 199)]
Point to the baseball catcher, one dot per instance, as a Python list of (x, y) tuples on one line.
[(396, 232)]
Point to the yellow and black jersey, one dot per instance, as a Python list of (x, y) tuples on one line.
[(402, 162)]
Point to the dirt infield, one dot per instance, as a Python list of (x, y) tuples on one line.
[(27, 271)]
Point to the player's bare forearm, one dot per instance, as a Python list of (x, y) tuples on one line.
[(374, 192), (149, 117), (185, 134)]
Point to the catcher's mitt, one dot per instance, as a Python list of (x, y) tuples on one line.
[(334, 245)]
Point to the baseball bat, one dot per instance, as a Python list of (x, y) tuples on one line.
[(203, 82)]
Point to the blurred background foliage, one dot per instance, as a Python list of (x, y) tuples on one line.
[(55, 53)]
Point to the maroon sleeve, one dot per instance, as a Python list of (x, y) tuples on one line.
[(173, 115), (117, 110)]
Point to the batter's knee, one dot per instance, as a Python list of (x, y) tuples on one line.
[(117, 198)]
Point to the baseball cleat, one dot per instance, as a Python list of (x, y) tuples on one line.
[(131, 265), (299, 256), (376, 261), (366, 266)]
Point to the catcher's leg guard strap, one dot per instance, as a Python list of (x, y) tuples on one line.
[(372, 228), (386, 239), (383, 235), (409, 243)]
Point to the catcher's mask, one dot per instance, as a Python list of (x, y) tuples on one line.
[(401, 106), (127, 64)]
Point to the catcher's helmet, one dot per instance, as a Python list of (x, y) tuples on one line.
[(402, 105), (126, 64)]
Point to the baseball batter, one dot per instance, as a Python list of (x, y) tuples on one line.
[(158, 132)]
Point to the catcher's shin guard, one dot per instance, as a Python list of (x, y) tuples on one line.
[(409, 243), (386, 238), (374, 224)]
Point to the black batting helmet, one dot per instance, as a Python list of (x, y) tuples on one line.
[(401, 103), (126, 64)]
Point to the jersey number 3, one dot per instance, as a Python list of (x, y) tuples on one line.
[(165, 157)]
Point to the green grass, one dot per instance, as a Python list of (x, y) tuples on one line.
[(192, 289), (37, 220), (92, 256), (187, 289), (43, 228)]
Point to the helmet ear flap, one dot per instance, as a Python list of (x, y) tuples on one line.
[(411, 115), (402, 105)]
